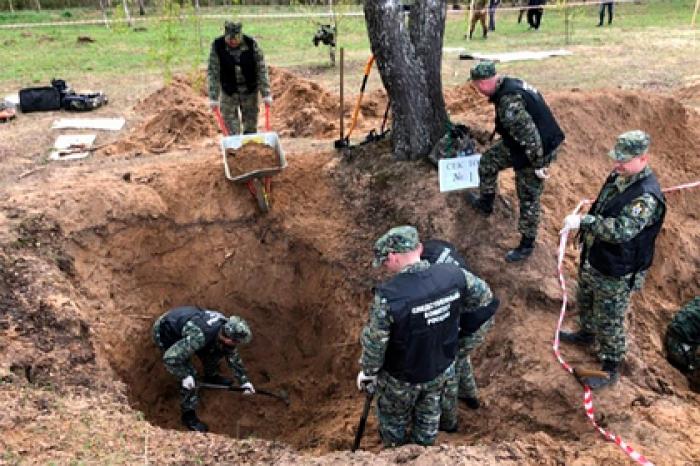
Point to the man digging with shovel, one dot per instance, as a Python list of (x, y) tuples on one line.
[(185, 331)]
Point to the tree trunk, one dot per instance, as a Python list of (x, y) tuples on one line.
[(12, 8), (409, 62), (142, 8), (38, 5)]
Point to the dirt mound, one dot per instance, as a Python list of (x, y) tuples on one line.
[(117, 244), (689, 95), (175, 117)]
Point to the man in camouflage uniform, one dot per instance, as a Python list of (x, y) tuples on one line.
[(410, 342), (530, 136), (186, 331), (683, 337), (473, 327), (479, 14), (617, 236), (236, 74)]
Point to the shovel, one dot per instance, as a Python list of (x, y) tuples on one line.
[(282, 395)]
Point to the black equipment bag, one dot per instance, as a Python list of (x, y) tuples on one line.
[(84, 102), (38, 99)]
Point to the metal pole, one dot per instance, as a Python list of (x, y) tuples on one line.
[(342, 95)]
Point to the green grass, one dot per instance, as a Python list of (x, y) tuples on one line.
[(34, 55)]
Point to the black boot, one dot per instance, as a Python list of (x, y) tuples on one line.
[(484, 203), (192, 422), (581, 337), (471, 401), (612, 368), (523, 251), (450, 429), (217, 380)]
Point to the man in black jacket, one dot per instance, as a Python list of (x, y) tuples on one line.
[(410, 343), (186, 331), (236, 74), (618, 236), (530, 137)]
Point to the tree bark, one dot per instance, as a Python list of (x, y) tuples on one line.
[(37, 3), (127, 14), (409, 61)]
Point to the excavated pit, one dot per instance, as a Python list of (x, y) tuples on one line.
[(122, 241), (211, 248)]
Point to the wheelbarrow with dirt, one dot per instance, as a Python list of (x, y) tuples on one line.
[(259, 177)]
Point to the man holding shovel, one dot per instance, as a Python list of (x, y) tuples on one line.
[(236, 73), (186, 331), (410, 343)]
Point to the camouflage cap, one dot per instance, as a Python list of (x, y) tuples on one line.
[(630, 145), (232, 29), (483, 70), (398, 239), (237, 329)]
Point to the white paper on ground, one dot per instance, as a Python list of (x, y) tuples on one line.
[(64, 142), (108, 124), (514, 56)]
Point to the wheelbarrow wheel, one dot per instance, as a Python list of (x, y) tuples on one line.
[(261, 195)]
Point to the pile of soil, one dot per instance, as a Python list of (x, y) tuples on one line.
[(250, 157), (112, 246), (174, 117)]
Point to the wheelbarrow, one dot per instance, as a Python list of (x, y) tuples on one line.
[(259, 181)]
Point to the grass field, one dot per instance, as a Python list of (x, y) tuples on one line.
[(648, 44)]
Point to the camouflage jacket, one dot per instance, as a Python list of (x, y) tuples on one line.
[(520, 125), (177, 357), (214, 70), (642, 211), (685, 325), (376, 333)]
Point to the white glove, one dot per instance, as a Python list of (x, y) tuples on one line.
[(571, 222), (363, 380), (542, 173), (188, 383), (249, 389), (267, 100), (213, 104)]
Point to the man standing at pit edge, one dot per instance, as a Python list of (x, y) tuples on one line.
[(530, 137), (618, 236), (237, 67), (410, 342)]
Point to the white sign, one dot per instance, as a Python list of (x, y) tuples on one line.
[(459, 173)]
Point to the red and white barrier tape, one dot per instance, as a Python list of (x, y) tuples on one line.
[(587, 393)]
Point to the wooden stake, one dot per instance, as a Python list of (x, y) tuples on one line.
[(342, 94)]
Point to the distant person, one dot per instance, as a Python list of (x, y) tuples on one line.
[(237, 73), (617, 235), (530, 138), (603, 6), (186, 331), (410, 342), (683, 338), (479, 14), (493, 4), (534, 13)]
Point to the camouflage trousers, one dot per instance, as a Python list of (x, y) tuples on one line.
[(400, 403), (528, 186), (189, 399), (602, 302), (463, 384), (247, 105)]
